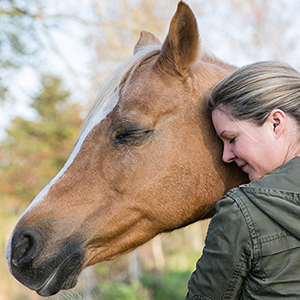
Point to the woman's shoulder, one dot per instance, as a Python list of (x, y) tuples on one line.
[(271, 191), (233, 203), (286, 177), (273, 202)]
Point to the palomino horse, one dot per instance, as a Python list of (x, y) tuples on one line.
[(147, 161)]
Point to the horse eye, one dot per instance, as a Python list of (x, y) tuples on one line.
[(133, 137)]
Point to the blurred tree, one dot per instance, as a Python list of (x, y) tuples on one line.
[(18, 39), (27, 30), (35, 151), (268, 25)]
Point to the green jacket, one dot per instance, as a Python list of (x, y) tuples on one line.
[(252, 246)]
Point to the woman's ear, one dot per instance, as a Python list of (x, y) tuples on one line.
[(277, 119)]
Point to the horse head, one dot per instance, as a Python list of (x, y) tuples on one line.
[(147, 161)]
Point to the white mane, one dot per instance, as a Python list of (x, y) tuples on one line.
[(118, 79)]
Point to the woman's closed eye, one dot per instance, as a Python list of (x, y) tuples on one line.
[(232, 140)]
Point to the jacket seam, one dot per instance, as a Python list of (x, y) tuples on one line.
[(275, 237), (235, 276), (254, 244), (249, 222), (292, 196), (253, 234)]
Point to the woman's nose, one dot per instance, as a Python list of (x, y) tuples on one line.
[(228, 155)]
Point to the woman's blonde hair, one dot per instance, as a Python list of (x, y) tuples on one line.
[(253, 91)]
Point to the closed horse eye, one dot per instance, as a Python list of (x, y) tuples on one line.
[(132, 138)]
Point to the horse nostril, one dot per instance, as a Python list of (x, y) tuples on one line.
[(24, 248)]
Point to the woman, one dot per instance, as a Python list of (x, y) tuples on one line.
[(253, 243)]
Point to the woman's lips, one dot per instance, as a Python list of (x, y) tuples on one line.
[(243, 167)]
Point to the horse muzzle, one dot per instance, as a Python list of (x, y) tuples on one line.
[(49, 273)]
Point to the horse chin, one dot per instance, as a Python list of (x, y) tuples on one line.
[(51, 288), (64, 277)]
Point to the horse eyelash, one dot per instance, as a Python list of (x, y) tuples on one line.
[(133, 137)]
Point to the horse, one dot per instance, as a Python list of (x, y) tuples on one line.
[(147, 161)]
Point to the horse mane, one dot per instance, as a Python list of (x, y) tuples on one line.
[(209, 57), (117, 81), (119, 78)]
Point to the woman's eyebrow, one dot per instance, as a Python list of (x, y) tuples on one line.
[(225, 132)]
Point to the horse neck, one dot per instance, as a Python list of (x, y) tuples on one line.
[(208, 71)]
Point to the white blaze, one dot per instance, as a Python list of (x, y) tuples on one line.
[(98, 116)]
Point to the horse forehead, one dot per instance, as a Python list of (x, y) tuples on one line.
[(142, 104), (150, 92)]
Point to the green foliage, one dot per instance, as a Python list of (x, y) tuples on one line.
[(169, 285), (172, 285), (122, 291), (36, 150)]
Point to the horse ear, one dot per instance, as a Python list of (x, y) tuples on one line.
[(146, 39), (181, 47)]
